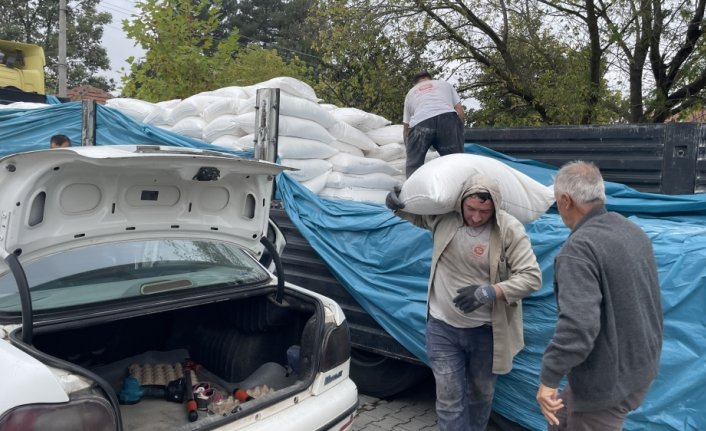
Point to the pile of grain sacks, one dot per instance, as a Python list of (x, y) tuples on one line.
[(343, 153)]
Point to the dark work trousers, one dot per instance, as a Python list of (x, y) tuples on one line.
[(443, 132), (609, 419)]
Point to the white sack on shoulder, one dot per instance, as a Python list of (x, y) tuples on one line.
[(344, 132), (376, 180), (290, 147), (351, 164), (361, 120), (436, 186), (387, 135), (355, 194), (308, 168)]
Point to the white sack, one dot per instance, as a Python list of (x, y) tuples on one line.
[(388, 152), (190, 126), (361, 120), (355, 194), (344, 132), (233, 92), (192, 106), (351, 164), (159, 116), (290, 147), (290, 85), (231, 142), (224, 106), (222, 125), (290, 126), (247, 141), (399, 164), (377, 180), (387, 135), (316, 184), (308, 168), (328, 106), (299, 107), (347, 148), (436, 186), (136, 109)]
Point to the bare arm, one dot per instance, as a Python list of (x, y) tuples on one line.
[(459, 110), (405, 132)]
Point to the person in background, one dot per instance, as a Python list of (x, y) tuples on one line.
[(482, 266), (433, 117), (59, 141), (608, 336)]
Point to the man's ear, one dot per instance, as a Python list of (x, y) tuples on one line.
[(565, 201)]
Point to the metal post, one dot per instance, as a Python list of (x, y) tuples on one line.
[(266, 124), (88, 123), (62, 49)]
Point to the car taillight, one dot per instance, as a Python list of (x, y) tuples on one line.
[(336, 346), (83, 414)]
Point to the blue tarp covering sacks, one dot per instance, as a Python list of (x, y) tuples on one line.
[(384, 262)]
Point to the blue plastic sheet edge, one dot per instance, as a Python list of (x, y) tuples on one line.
[(383, 262)]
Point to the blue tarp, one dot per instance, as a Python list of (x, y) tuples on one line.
[(384, 263)]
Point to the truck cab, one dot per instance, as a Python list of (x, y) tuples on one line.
[(22, 66)]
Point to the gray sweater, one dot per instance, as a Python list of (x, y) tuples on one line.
[(608, 336)]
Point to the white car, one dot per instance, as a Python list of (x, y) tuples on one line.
[(132, 298)]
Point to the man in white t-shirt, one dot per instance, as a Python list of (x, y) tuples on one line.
[(433, 117)]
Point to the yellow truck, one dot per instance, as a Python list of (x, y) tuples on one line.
[(22, 66)]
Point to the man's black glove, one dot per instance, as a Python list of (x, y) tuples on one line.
[(393, 200), (470, 298)]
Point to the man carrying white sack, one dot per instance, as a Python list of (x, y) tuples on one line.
[(482, 266), (433, 116)]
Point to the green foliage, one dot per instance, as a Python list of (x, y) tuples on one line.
[(37, 22), (362, 66), (182, 57)]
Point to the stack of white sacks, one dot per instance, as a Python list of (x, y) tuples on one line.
[(343, 153)]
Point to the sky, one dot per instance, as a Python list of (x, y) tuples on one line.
[(115, 40)]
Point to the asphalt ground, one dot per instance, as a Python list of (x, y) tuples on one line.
[(411, 410)]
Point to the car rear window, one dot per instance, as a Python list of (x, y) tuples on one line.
[(121, 270)]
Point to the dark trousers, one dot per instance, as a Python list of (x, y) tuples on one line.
[(609, 419), (443, 132)]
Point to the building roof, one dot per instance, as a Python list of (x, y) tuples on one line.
[(88, 92)]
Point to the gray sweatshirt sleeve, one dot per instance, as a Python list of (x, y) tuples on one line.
[(578, 304)]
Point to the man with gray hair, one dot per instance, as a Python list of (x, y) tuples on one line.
[(608, 335)]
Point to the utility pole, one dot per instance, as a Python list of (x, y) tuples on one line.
[(62, 48)]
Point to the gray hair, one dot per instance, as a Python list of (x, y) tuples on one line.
[(582, 180)]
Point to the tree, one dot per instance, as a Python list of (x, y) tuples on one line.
[(37, 22), (182, 57), (362, 66)]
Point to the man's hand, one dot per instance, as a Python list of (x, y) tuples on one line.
[(470, 298), (550, 403), (393, 200)]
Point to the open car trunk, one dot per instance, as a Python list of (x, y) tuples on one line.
[(253, 344)]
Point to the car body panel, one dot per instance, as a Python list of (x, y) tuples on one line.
[(25, 380), (58, 197)]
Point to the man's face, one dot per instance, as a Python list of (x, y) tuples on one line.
[(477, 212)]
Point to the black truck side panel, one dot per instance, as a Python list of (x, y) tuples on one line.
[(665, 158)]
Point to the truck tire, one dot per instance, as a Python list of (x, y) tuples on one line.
[(381, 376)]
